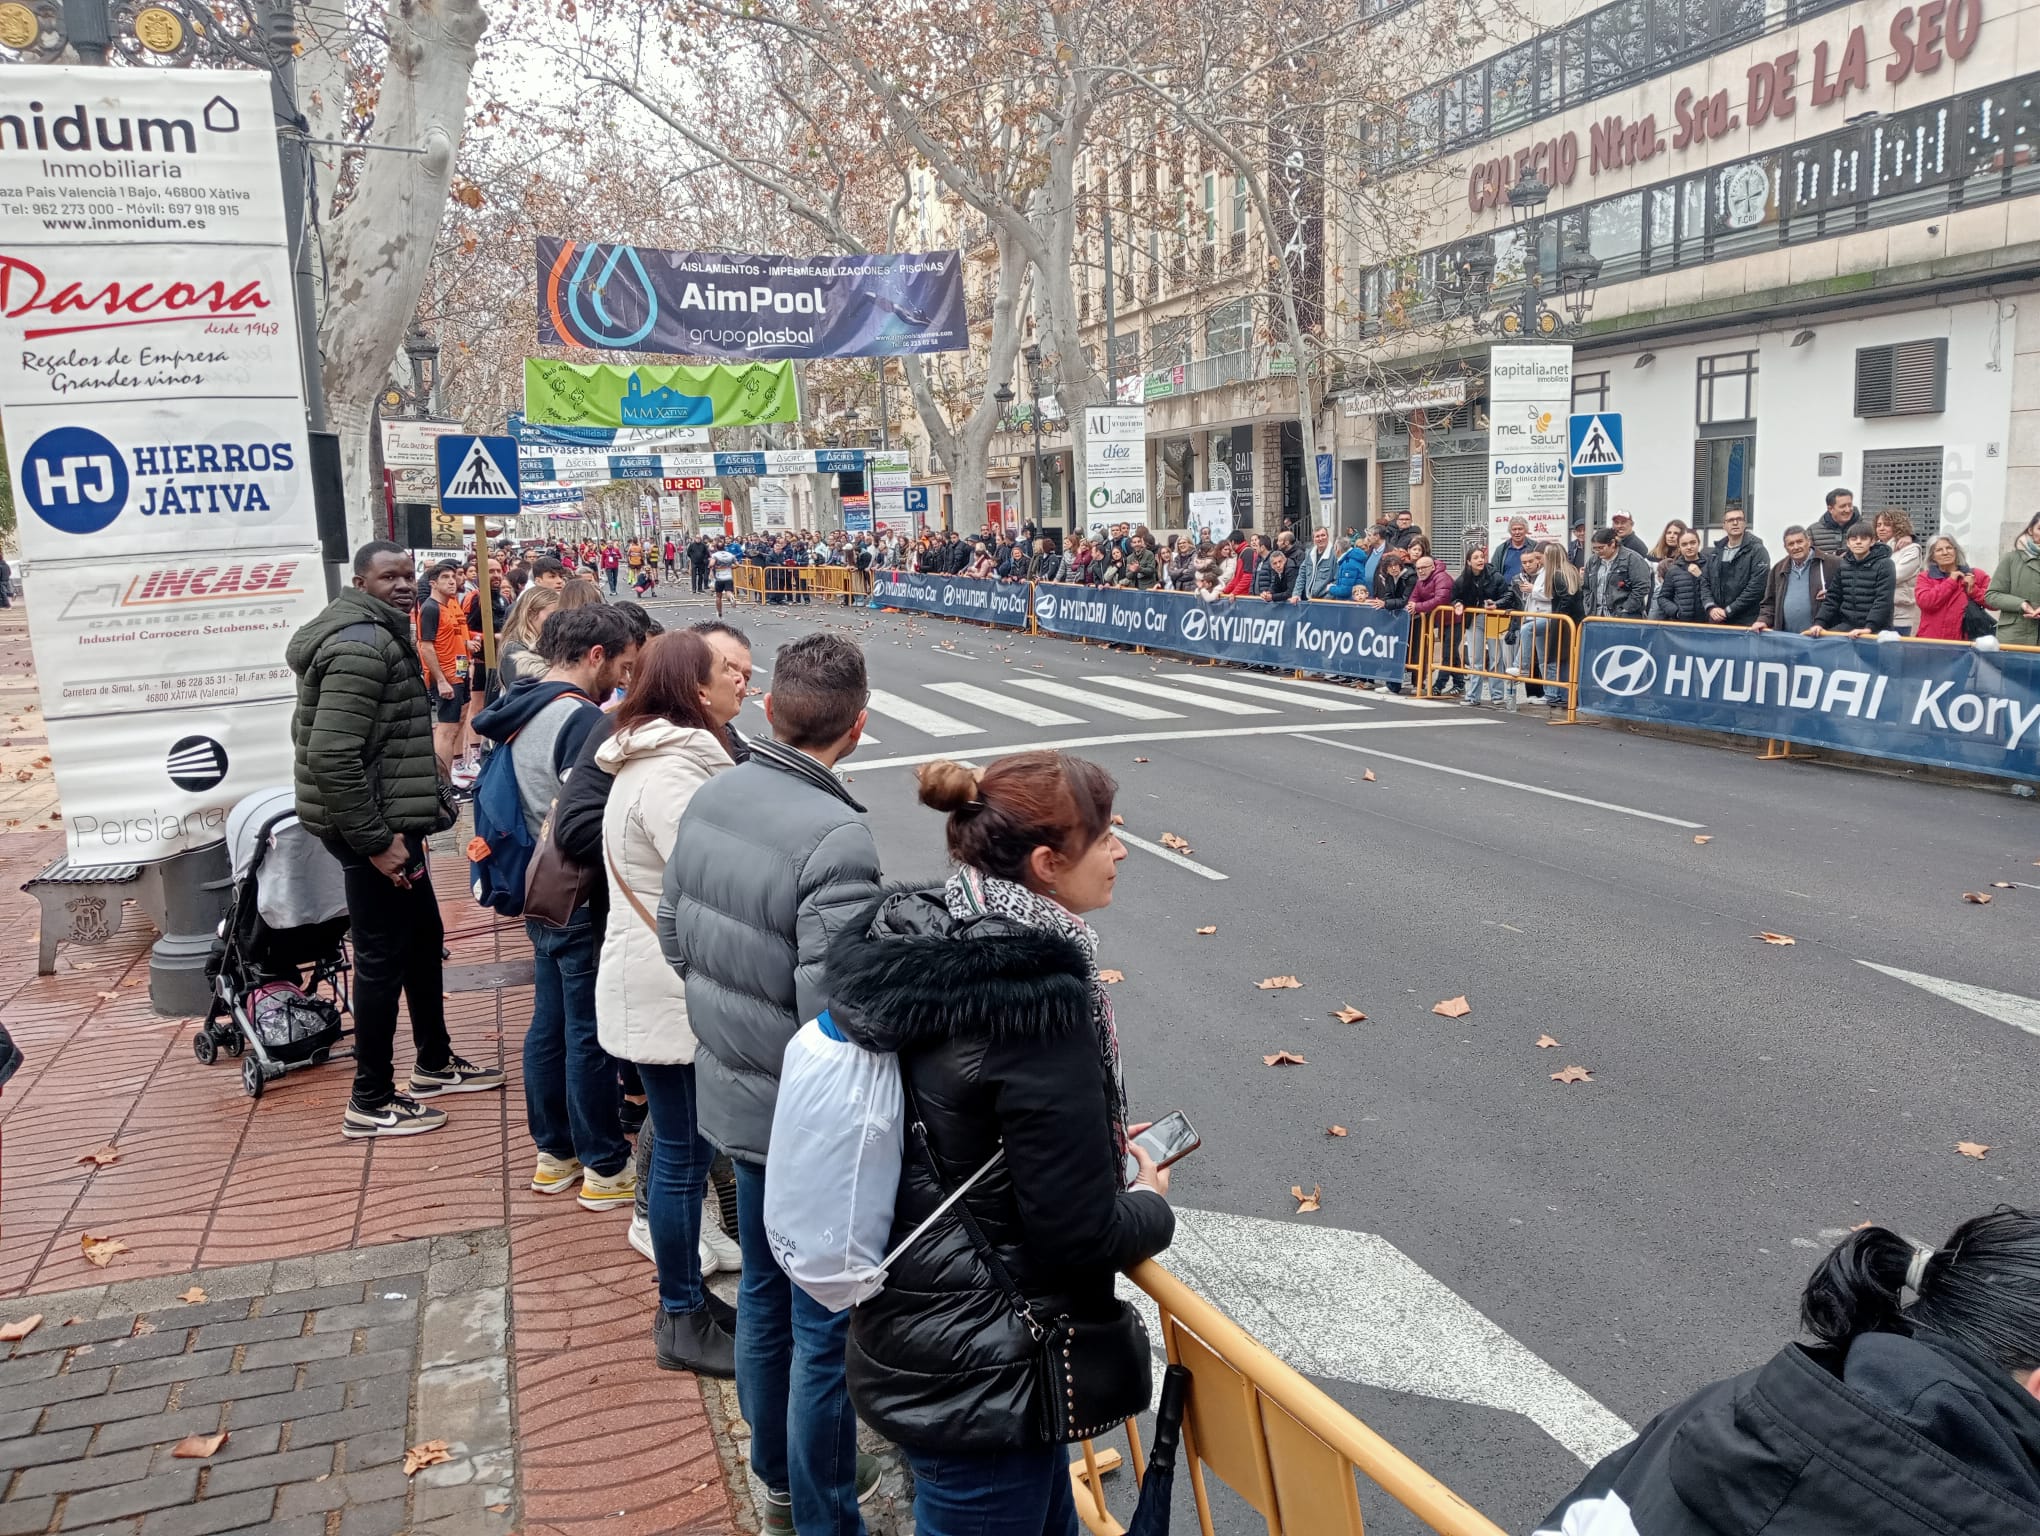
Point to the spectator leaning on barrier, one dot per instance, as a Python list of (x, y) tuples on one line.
[(1830, 531), (1319, 562), (1280, 585), (1618, 579), (1798, 585), (1479, 593), (1736, 570), (1943, 591), (1141, 567), (2015, 589), (1895, 532), (1353, 581), (1859, 595), (1682, 583)]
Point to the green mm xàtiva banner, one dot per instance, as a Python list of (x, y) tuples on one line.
[(652, 395)]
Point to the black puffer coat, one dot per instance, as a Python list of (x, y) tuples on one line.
[(1683, 596), (361, 735), (1860, 593), (992, 1023)]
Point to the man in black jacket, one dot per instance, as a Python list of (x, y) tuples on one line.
[(1618, 579), (1860, 593), (1830, 531), (1735, 572)]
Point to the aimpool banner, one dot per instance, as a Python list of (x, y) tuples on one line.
[(1951, 706), (631, 298), (952, 597), (652, 395), (1337, 639)]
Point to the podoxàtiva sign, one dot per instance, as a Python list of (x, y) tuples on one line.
[(630, 298), (1946, 705), (1338, 639), (952, 597)]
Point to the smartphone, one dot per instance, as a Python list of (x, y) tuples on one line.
[(1170, 1138)]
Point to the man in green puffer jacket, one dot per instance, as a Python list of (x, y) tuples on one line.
[(368, 786)]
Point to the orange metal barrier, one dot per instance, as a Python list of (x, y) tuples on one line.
[(750, 582), (1277, 1441), (841, 581), (1477, 647)]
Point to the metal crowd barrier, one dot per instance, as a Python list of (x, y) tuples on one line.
[(749, 582), (1476, 646), (1277, 1441)]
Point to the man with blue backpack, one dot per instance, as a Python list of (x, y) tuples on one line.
[(539, 725)]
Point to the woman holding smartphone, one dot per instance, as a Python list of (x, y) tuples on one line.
[(987, 988)]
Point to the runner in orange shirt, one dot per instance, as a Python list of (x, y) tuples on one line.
[(443, 648)]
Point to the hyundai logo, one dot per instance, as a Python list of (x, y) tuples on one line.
[(1625, 671), (1195, 621), (1044, 602)]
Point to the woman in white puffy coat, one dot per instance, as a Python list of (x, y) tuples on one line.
[(666, 744)]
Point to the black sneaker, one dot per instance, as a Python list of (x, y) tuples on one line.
[(457, 1076), (401, 1116), (694, 1341)]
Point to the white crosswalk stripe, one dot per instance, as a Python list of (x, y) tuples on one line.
[(1153, 690), (1124, 708), (931, 722), (1278, 693), (999, 704)]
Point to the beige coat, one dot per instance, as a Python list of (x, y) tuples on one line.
[(640, 1003)]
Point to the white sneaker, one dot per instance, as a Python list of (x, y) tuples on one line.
[(641, 1237), (719, 1253)]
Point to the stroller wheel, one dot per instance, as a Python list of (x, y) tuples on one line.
[(203, 1048), (251, 1077), (236, 1043), (321, 1056)]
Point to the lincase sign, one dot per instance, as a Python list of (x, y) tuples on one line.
[(1919, 40)]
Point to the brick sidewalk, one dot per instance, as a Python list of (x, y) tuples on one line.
[(208, 1179)]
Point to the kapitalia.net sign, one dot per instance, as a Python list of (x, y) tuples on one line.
[(1339, 639), (1946, 705), (952, 597), (630, 298)]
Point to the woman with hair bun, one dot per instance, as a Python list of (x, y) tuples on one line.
[(1915, 1411), (987, 988)]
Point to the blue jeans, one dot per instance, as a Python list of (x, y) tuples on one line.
[(1542, 646), (570, 1098), (790, 1381), (1009, 1493), (679, 1172)]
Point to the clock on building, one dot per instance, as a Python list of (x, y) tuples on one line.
[(1745, 195)]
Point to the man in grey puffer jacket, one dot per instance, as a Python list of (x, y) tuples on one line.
[(772, 858)]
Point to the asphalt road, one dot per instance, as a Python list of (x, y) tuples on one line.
[(1631, 1237)]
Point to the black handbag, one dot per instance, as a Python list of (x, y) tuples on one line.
[(1977, 620), (1089, 1375)]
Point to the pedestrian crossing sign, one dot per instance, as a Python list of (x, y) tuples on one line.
[(478, 476), (1597, 443)]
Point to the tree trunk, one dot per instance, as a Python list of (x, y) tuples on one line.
[(380, 244)]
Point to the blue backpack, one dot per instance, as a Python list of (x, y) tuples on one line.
[(502, 846)]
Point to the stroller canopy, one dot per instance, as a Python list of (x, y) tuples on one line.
[(298, 882)]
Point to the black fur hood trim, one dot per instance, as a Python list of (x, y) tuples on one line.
[(904, 972)]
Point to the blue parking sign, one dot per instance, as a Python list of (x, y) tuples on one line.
[(916, 499), (478, 476)]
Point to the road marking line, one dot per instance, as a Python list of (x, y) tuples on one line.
[(1149, 690), (1101, 701), (1378, 695), (1531, 789), (2005, 1007), (930, 722), (1171, 855), (999, 704), (1136, 738), (1280, 695), (1351, 1306)]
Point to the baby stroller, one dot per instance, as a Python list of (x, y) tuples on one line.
[(282, 942)]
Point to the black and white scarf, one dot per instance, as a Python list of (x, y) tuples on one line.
[(970, 893)]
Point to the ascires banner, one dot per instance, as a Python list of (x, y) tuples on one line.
[(560, 394), (1919, 701), (1337, 639), (631, 298)]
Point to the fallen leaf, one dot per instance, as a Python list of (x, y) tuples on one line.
[(1179, 844), (107, 997), (23, 775), (1974, 1149), (1453, 1008), (20, 1328), (429, 1454), (198, 1447), (1109, 977), (1278, 983), (1859, 1226), (1335, 1130), (69, 1321), (142, 1326), (195, 1294), (497, 1509), (101, 1158), (1703, 839), (1346, 1013), (1207, 932), (1572, 1075), (1118, 820), (1545, 1042), (1977, 898), (1284, 1059), (1137, 759), (1305, 1203), (99, 1251), (1775, 938), (2003, 885), (1367, 774)]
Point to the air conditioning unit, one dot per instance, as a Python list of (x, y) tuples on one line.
[(1907, 378)]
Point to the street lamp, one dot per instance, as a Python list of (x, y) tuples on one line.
[(1031, 355), (1467, 275), (423, 353)]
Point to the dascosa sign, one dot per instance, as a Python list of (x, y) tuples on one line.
[(1338, 639), (953, 597), (1947, 705)]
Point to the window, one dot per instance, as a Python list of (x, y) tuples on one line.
[(1125, 354), (1210, 208), (1228, 328), (1727, 388), (1909, 478), (1589, 392), (1239, 216), (1907, 379), (1512, 83), (1170, 343), (1617, 44)]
